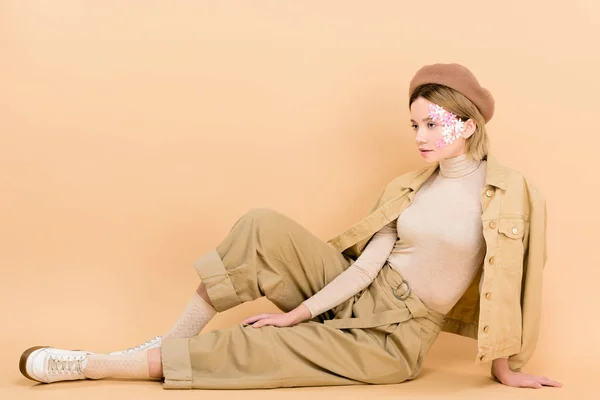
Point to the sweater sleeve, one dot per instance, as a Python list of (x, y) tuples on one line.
[(357, 276)]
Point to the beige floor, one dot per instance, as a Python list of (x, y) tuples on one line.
[(449, 373)]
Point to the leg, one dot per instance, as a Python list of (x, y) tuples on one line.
[(155, 363), (265, 254), (198, 312), (268, 254), (307, 354), (48, 364), (203, 293)]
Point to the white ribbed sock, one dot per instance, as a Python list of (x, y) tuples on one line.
[(132, 366), (195, 317)]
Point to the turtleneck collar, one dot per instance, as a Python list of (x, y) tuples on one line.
[(458, 167)]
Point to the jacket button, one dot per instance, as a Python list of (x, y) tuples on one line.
[(514, 230), (491, 260), (489, 193), (493, 224), (485, 329), (488, 295)]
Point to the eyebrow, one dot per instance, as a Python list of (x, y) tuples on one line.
[(424, 119)]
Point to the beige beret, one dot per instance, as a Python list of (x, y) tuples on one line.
[(458, 78)]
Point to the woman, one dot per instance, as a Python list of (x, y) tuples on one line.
[(454, 246)]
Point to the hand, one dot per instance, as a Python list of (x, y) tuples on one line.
[(508, 377), (294, 317), (519, 379)]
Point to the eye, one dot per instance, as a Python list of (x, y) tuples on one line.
[(414, 127), (430, 125)]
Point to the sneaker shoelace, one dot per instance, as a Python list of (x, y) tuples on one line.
[(60, 365), (141, 346)]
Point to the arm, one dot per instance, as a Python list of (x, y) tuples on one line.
[(357, 276), (351, 281), (507, 370), (533, 267), (534, 260)]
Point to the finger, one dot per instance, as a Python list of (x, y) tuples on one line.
[(549, 382), (544, 380), (254, 318), (262, 322), (531, 383)]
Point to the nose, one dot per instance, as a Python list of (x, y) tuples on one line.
[(420, 137)]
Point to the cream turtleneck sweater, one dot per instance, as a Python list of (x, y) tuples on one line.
[(436, 244)]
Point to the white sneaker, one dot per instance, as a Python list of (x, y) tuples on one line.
[(47, 364), (150, 344)]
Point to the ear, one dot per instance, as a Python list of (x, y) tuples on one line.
[(470, 127)]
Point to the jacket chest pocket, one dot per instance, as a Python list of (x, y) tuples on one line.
[(510, 242)]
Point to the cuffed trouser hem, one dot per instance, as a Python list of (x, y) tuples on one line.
[(176, 363), (214, 275)]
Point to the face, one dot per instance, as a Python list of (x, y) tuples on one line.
[(439, 134)]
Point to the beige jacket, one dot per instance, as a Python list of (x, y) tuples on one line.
[(505, 316)]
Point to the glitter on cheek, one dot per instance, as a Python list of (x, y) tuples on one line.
[(452, 126)]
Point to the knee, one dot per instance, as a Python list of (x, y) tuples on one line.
[(265, 221), (261, 215), (259, 212)]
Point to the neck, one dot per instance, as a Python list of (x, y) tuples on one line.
[(459, 166)]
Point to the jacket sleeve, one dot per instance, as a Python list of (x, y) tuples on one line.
[(534, 261)]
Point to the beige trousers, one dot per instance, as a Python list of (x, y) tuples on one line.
[(378, 336)]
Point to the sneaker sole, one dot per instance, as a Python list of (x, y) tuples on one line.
[(23, 361)]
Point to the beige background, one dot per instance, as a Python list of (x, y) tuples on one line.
[(134, 134)]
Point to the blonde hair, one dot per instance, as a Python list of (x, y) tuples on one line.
[(477, 144)]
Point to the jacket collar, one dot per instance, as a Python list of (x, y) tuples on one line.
[(495, 175)]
